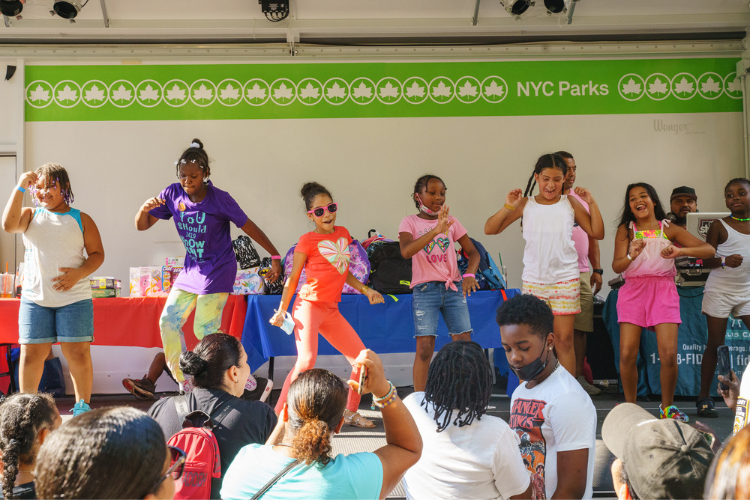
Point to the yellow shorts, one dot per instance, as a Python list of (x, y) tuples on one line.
[(563, 297)]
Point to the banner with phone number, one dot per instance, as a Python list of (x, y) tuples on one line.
[(692, 337)]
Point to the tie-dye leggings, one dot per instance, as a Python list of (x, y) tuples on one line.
[(208, 310)]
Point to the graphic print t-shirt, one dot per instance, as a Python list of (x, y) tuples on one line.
[(327, 264), (210, 264), (437, 260), (556, 415)]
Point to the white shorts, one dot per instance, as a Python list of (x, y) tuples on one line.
[(721, 305)]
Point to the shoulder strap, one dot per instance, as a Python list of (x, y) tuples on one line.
[(274, 480), (220, 415), (181, 405)]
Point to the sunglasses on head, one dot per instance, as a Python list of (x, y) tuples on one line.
[(319, 211), (176, 469)]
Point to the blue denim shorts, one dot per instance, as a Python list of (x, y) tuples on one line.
[(430, 299), (40, 325)]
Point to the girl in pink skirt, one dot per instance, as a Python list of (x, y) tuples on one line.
[(645, 249)]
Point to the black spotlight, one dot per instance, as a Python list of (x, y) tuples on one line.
[(67, 9), (520, 6), (554, 6), (9, 72), (11, 8)]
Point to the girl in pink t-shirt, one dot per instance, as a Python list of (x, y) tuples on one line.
[(324, 254), (427, 239)]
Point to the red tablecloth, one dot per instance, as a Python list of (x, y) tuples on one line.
[(130, 321)]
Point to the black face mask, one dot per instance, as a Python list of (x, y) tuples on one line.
[(533, 369)]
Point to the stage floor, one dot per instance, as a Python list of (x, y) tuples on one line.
[(352, 439)]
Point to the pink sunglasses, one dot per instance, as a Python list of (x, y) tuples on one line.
[(319, 211)]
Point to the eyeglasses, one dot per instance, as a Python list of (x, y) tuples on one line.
[(319, 211), (176, 469)]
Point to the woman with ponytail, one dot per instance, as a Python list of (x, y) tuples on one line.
[(25, 422), (219, 368), (301, 443), (550, 260)]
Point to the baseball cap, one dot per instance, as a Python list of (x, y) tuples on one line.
[(683, 191), (663, 458)]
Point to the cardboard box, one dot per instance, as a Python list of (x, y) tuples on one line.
[(166, 279), (102, 283), (102, 293), (154, 281), (135, 282), (176, 261), (248, 282)]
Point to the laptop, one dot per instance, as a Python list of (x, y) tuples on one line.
[(699, 222), (690, 270)]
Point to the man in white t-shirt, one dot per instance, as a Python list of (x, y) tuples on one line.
[(591, 278), (466, 454), (550, 412)]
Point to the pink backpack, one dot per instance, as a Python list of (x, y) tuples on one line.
[(197, 440)]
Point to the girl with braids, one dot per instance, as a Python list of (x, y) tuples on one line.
[(646, 245), (56, 303), (301, 443), (550, 260), (202, 214), (324, 254), (428, 239), (472, 455), (25, 422)]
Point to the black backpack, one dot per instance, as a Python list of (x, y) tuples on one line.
[(390, 271)]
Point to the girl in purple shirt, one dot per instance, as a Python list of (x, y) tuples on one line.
[(202, 214)]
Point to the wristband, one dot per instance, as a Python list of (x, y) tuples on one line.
[(599, 271), (509, 207), (630, 258), (386, 400), (21, 189), (468, 275), (723, 262), (275, 257)]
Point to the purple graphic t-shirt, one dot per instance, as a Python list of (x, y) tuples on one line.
[(210, 264)]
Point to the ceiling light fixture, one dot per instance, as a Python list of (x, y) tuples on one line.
[(11, 8), (275, 10), (555, 6), (68, 9)]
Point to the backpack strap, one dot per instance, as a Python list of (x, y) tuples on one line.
[(274, 480), (221, 415), (181, 405)]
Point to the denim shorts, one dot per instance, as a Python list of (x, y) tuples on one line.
[(430, 299), (40, 325)]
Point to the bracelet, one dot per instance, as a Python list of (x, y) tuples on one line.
[(386, 400), (723, 262), (509, 207), (363, 289), (630, 258), (468, 275), (275, 257), (21, 189)]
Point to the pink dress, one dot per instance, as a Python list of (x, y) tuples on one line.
[(649, 296)]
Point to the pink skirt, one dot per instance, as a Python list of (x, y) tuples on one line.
[(648, 301)]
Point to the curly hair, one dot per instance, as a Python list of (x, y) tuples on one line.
[(460, 378), (54, 173), (22, 418), (527, 310), (316, 403), (421, 185)]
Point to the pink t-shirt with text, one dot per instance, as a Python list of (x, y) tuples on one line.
[(581, 239), (437, 260)]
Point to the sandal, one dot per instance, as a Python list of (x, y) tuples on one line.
[(706, 408), (357, 420)]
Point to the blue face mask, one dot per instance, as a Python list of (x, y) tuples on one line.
[(288, 325)]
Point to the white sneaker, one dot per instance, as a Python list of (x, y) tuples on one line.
[(590, 389), (186, 385), (251, 383)]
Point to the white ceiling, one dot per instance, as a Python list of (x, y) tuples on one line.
[(370, 20)]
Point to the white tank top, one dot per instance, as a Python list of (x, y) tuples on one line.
[(734, 280), (53, 241), (549, 255)]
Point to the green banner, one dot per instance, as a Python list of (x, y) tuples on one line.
[(353, 90)]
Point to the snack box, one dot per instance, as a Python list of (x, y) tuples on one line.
[(248, 282), (175, 261), (166, 279), (148, 281), (103, 293), (135, 278), (154, 281), (103, 283)]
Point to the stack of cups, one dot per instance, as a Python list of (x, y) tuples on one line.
[(6, 290)]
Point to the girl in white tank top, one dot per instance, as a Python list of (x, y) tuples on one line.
[(727, 289), (56, 304), (550, 260)]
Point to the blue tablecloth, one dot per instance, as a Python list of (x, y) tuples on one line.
[(384, 328), (692, 337)]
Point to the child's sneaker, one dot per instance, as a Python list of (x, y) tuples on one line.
[(251, 383), (186, 386), (673, 413), (142, 389), (80, 407), (262, 390)]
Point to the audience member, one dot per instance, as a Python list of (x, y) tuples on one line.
[(550, 412), (656, 458), (116, 452), (682, 202), (728, 477), (591, 278), (299, 451), (219, 369), (25, 422), (467, 454)]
